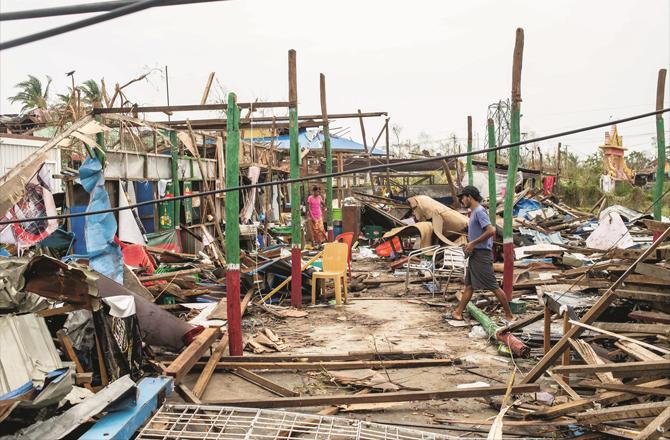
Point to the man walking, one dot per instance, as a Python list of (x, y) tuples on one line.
[(479, 273)]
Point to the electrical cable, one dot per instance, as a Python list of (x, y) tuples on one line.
[(114, 13), (340, 173), (84, 8)]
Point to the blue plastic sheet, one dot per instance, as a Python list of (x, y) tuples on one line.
[(103, 253), (523, 206)]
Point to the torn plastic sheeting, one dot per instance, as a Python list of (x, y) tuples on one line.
[(611, 232), (425, 208), (56, 385), (120, 306), (628, 215), (542, 238), (13, 296), (103, 253), (58, 427)]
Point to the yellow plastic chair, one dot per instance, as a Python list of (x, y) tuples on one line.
[(335, 268)]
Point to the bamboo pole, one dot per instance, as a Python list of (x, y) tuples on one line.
[(329, 157), (296, 239), (515, 135), (660, 143), (233, 228)]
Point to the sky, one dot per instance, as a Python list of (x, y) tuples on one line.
[(429, 64)]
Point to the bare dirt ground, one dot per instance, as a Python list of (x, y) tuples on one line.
[(379, 320)]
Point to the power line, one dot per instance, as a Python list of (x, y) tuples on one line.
[(84, 8), (339, 173), (114, 13)]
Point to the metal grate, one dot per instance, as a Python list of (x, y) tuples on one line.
[(179, 422)]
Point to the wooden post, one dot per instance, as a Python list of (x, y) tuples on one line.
[(547, 329), (491, 158), (471, 177), (566, 353), (296, 239), (455, 203), (329, 157), (367, 151), (558, 164), (388, 157), (176, 191), (660, 143), (515, 135), (233, 228)]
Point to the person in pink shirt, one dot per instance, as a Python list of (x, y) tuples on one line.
[(315, 207)]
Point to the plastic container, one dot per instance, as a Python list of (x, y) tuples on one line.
[(337, 213)]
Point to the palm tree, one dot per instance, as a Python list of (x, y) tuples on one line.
[(32, 95), (92, 93)]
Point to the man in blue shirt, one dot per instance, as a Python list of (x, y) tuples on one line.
[(479, 274)]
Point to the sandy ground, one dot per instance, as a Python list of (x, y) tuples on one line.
[(378, 320)]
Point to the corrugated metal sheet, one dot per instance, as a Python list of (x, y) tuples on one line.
[(13, 151), (26, 348)]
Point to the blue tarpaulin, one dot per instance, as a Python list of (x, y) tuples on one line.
[(523, 206), (104, 255), (314, 140)]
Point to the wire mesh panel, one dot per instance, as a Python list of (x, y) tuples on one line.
[(177, 422)]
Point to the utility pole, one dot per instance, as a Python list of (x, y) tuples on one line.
[(471, 178), (515, 132), (329, 157), (233, 228), (296, 236), (660, 144)]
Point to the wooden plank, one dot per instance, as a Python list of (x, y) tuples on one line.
[(190, 355), (624, 412), (335, 365), (206, 374), (658, 427), (69, 350), (400, 396), (264, 383), (186, 394), (626, 369), (351, 356), (633, 327), (208, 86), (644, 391), (643, 295), (67, 308), (622, 337), (660, 317), (591, 358), (567, 388), (637, 352), (589, 317), (564, 408), (654, 271), (522, 323)]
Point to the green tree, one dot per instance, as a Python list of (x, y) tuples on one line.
[(92, 93), (32, 94), (637, 160)]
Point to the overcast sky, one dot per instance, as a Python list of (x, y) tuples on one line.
[(428, 63)]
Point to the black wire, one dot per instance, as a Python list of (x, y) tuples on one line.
[(114, 13), (85, 8), (340, 173)]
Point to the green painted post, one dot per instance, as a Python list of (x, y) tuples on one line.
[(296, 236), (329, 158), (471, 178), (491, 158), (660, 144), (515, 136), (100, 140), (233, 227), (174, 150)]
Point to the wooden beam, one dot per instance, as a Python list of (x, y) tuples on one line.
[(167, 275), (589, 317), (657, 427), (663, 318), (627, 369), (643, 295), (187, 108), (336, 365), (208, 86), (632, 327), (190, 355), (622, 337), (400, 396), (264, 383), (644, 391), (625, 412), (567, 388), (67, 308), (206, 374), (69, 350), (653, 270), (351, 356)]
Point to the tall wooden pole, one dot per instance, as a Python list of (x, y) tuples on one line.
[(558, 164), (515, 136), (233, 228), (329, 157), (388, 156), (660, 143), (471, 178), (491, 158), (176, 191), (296, 257)]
